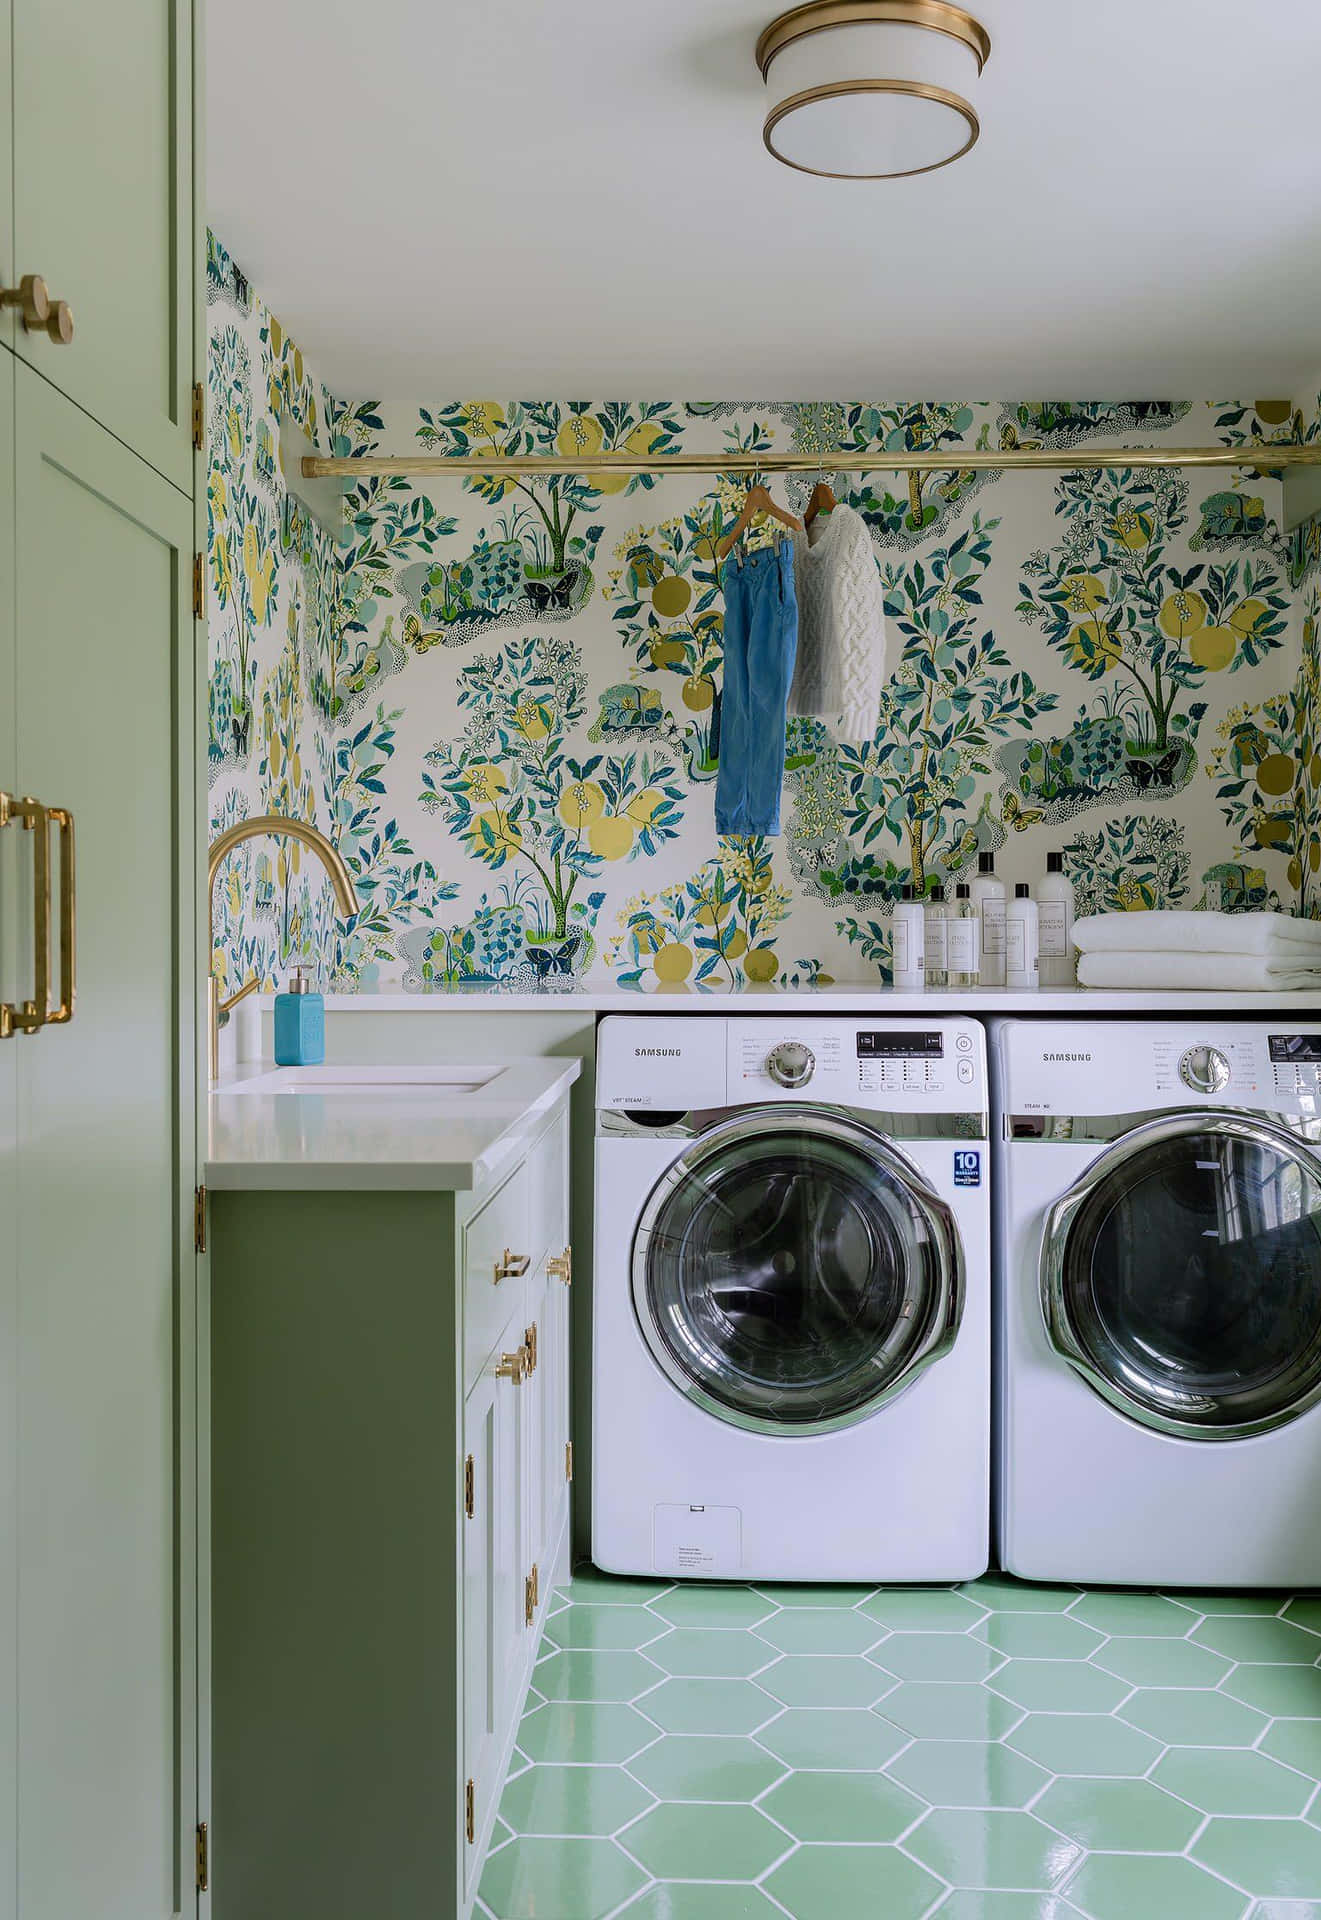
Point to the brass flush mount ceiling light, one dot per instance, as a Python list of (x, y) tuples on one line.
[(872, 89)]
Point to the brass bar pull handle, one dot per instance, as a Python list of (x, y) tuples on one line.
[(511, 1266), (7, 1011), (63, 819), (31, 1016)]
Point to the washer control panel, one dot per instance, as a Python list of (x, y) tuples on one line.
[(893, 1066), (1204, 1069)]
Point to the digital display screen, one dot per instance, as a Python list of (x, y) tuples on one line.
[(903, 1045), (1296, 1046)]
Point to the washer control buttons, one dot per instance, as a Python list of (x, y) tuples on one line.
[(965, 1073), (963, 1042), (791, 1064), (1204, 1069)]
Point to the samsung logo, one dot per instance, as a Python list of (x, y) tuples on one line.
[(658, 1053), (1066, 1056)]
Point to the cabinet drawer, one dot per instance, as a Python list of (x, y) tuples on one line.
[(492, 1293), (548, 1166)]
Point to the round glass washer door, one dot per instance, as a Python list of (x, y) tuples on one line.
[(792, 1271), (1181, 1276)]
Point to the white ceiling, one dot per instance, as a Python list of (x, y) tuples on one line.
[(570, 197)]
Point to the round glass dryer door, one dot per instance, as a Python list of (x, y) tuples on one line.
[(1181, 1277), (792, 1271)]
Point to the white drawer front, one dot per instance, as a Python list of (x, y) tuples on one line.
[(548, 1165), (496, 1261)]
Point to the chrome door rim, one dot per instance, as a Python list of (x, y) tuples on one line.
[(1229, 1122), (943, 1318)]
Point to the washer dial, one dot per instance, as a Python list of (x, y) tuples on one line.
[(791, 1064), (1204, 1069)]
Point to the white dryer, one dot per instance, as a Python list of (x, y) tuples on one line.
[(1159, 1301), (791, 1300)]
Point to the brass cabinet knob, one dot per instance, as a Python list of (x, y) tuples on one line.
[(40, 314), (59, 323), (512, 1366)]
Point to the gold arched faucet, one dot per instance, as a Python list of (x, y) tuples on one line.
[(254, 829)]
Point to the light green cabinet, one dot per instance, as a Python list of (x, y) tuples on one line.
[(8, 271), (102, 155), (386, 1531), (106, 1661), (8, 1180)]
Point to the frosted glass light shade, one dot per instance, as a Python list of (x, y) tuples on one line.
[(871, 90)]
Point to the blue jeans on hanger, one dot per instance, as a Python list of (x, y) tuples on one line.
[(761, 639)]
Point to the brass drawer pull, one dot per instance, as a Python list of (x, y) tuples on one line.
[(560, 1266), (511, 1266), (31, 1016), (512, 1366), (63, 819)]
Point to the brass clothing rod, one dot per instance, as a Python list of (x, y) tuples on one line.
[(1267, 455)]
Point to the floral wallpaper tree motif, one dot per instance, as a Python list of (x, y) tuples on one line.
[(502, 695)]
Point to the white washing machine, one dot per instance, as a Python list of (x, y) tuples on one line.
[(791, 1311), (1158, 1196)]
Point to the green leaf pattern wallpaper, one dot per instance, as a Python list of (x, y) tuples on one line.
[(501, 701)]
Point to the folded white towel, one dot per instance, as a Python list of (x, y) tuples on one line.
[(1179, 932), (1222, 972)]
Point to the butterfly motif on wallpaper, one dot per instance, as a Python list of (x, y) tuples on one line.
[(1019, 817), (548, 961), (1158, 773), (552, 596)]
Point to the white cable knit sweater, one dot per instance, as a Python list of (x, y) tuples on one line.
[(840, 666)]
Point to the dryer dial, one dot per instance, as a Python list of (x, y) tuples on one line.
[(791, 1064), (1204, 1069)]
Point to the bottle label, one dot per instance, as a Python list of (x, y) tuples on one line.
[(962, 945), (1016, 946), (900, 942), (993, 926), (936, 944), (1052, 928)]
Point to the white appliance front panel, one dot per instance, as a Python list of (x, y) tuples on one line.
[(668, 1063), (1088, 1495), (1097, 1067), (901, 1496)]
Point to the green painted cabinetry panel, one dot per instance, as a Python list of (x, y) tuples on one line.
[(106, 1695), (10, 990), (8, 273), (103, 209)]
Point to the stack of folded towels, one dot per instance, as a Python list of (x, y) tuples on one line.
[(1236, 952)]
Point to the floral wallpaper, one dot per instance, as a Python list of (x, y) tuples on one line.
[(502, 695)]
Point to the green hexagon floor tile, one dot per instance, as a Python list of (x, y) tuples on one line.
[(992, 1751)]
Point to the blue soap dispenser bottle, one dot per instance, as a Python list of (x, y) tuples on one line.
[(300, 1024)]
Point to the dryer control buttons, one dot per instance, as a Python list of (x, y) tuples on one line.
[(791, 1064), (1204, 1069)]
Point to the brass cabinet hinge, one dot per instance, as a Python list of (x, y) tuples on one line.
[(560, 1266), (530, 1346), (470, 1812), (468, 1477), (199, 417), (199, 587), (199, 1219), (203, 1858), (568, 1460), (531, 1595)]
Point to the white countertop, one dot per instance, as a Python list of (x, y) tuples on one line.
[(378, 1129)]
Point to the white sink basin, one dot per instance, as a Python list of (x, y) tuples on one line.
[(371, 1081)]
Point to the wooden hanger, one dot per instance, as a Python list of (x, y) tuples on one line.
[(756, 500), (823, 501)]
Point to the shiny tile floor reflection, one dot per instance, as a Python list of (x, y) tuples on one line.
[(990, 1752)]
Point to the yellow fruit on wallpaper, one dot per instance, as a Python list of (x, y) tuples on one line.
[(737, 944), (666, 653), (645, 806), (1213, 648), (1314, 770), (1083, 592), (1092, 643), (486, 781), (1272, 829), (1295, 875), (1133, 528), (502, 832), (1181, 614), (234, 433), (672, 963), (1275, 773), (532, 718), (712, 912), (1246, 615), (1314, 857), (612, 837), (699, 692), (761, 964), (580, 803), (672, 596)]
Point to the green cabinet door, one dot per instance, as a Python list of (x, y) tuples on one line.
[(103, 209), (106, 1675), (10, 867), (8, 272)]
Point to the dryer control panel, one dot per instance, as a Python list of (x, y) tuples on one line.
[(1086, 1067)]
